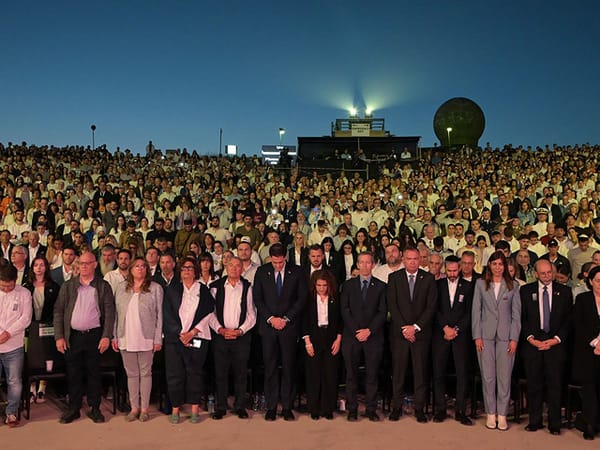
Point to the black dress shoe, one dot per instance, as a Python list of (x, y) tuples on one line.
[(271, 415), (372, 416), (314, 416), (95, 415), (533, 427), (439, 417), (70, 416), (242, 413), (589, 433), (288, 415), (463, 419), (421, 417), (554, 431), (395, 415), (352, 416), (218, 414), (328, 415)]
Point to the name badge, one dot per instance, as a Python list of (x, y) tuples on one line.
[(46, 331), (461, 298)]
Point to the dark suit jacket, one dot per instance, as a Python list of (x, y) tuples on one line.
[(10, 248), (57, 275), (560, 315), (269, 304), (171, 304), (335, 263), (459, 315), (311, 323), (586, 365), (358, 315), (420, 311), (303, 256), (50, 294)]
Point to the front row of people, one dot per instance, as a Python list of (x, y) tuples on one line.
[(442, 316)]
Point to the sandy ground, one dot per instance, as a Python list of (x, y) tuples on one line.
[(45, 433)]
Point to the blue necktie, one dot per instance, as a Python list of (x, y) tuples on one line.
[(279, 284), (365, 286), (546, 305), (411, 286)]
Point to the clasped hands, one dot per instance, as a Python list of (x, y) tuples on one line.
[(409, 332), (278, 323), (543, 345), (230, 333)]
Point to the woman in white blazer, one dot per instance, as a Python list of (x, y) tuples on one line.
[(496, 324), (138, 333)]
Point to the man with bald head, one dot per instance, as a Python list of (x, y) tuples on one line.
[(546, 324)]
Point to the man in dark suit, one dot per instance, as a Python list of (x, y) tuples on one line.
[(279, 293), (363, 313), (546, 323), (412, 296), (451, 327), (64, 272)]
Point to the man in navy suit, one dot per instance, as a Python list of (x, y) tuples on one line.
[(546, 323), (279, 293), (412, 297), (452, 324), (363, 312)]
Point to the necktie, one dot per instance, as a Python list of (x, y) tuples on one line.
[(546, 305), (279, 284), (411, 285), (365, 286)]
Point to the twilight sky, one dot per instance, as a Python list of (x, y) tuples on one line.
[(175, 72)]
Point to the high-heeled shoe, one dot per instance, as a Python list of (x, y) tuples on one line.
[(491, 421)]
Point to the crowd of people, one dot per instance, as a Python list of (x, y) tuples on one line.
[(486, 255)]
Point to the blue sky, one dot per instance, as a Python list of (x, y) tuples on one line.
[(175, 72)]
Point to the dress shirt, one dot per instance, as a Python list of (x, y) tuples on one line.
[(452, 286), (408, 275), (134, 340), (232, 309), (86, 314), (313, 269), (322, 311), (348, 263), (15, 317), (67, 275), (187, 310), (32, 252)]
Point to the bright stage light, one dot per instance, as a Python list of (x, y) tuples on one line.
[(353, 112)]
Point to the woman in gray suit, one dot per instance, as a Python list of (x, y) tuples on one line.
[(496, 324), (138, 333)]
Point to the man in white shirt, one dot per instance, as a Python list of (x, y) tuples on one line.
[(119, 275), (233, 318), (360, 218), (15, 317), (393, 258)]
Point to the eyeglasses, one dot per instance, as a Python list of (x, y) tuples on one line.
[(187, 268), (86, 263)]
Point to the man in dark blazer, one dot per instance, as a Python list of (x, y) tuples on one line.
[(363, 313), (411, 311), (64, 272), (452, 324), (279, 293), (546, 323)]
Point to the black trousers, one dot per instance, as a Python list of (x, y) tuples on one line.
[(352, 350), (322, 379), (231, 354), (279, 346), (82, 360), (185, 372), (459, 348), (544, 368), (419, 353), (590, 396)]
